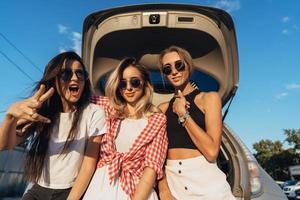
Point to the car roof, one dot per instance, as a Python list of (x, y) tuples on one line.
[(207, 33)]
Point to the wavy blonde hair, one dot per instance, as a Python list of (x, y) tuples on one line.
[(183, 54), (144, 107)]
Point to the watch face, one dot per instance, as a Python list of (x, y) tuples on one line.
[(181, 119)]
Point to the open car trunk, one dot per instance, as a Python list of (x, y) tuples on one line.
[(143, 31)]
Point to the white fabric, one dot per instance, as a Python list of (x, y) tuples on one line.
[(100, 187), (129, 131), (197, 179), (60, 170)]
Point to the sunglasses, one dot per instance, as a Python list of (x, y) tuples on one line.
[(67, 74), (179, 66), (134, 82)]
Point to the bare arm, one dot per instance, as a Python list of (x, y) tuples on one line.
[(208, 142), (8, 137), (145, 185), (164, 191), (87, 168), (19, 113)]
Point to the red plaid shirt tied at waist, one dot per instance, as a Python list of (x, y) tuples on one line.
[(148, 150)]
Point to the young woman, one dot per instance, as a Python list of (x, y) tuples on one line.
[(64, 129), (194, 127), (134, 149)]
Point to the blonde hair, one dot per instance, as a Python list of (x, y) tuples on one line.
[(144, 106), (183, 54)]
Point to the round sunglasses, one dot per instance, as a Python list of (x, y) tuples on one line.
[(67, 74), (179, 66), (134, 82)]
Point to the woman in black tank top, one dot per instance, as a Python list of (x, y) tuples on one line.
[(194, 127)]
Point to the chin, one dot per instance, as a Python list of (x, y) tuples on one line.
[(74, 100), (176, 85)]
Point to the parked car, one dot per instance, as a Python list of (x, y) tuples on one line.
[(297, 193), (290, 189), (289, 183), (280, 183), (143, 31)]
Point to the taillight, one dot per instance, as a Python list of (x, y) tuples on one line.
[(255, 182)]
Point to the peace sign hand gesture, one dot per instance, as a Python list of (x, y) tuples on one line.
[(26, 111)]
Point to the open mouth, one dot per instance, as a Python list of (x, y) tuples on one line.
[(74, 89)]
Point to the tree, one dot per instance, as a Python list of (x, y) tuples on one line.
[(293, 137), (276, 160)]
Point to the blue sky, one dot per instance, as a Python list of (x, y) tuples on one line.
[(268, 34)]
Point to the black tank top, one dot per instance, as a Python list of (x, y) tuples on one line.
[(177, 135)]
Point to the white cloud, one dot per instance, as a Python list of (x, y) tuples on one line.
[(285, 19), (62, 49), (62, 29), (76, 38), (282, 95), (285, 32), (228, 5), (293, 86)]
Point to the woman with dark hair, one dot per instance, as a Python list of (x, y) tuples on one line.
[(64, 129), (194, 129), (134, 149)]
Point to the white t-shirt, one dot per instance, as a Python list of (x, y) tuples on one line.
[(129, 130), (61, 170)]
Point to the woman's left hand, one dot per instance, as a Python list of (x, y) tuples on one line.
[(180, 104)]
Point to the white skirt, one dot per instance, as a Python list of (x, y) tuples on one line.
[(101, 189), (197, 179)]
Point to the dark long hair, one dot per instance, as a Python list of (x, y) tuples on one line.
[(51, 108)]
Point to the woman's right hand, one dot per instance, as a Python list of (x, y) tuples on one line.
[(166, 195), (26, 111)]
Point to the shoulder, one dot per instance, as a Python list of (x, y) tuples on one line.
[(99, 99), (163, 106), (207, 99), (158, 118), (93, 109), (208, 96)]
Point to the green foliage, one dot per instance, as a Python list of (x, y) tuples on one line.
[(293, 137), (276, 160)]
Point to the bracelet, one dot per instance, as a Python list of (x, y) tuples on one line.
[(182, 119)]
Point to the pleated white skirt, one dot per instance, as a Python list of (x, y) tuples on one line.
[(101, 189), (197, 179)]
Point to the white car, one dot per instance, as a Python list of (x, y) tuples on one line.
[(289, 191), (143, 31)]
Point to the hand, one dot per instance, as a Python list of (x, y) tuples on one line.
[(166, 195), (26, 111), (180, 104)]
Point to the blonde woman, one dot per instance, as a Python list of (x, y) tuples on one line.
[(134, 149), (194, 128)]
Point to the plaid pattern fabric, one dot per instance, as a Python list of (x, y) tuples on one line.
[(148, 150)]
